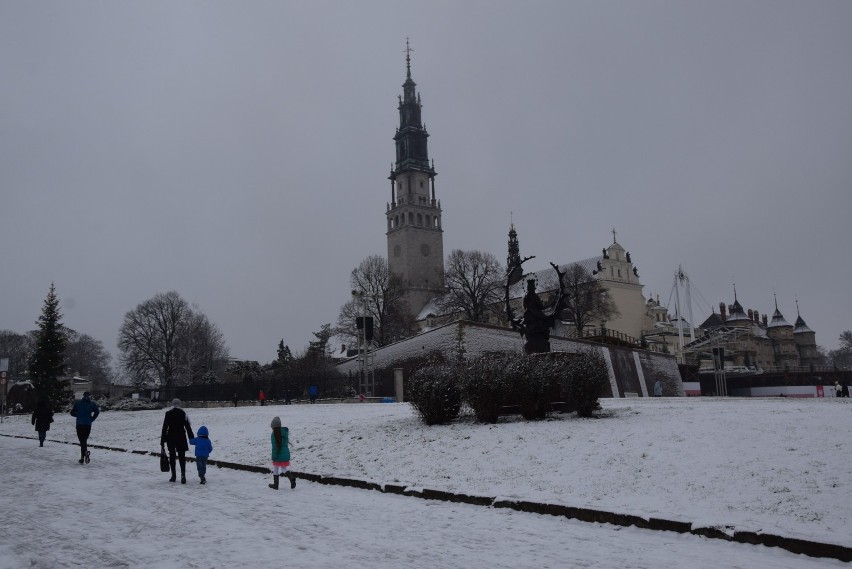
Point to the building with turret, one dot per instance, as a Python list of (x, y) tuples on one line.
[(752, 342)]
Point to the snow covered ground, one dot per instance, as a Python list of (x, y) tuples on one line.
[(771, 465)]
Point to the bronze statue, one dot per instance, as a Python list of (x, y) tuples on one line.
[(538, 319)]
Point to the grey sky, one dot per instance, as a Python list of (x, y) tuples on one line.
[(238, 152)]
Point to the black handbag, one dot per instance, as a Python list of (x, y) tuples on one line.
[(164, 461)]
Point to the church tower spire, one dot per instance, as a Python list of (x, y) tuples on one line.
[(513, 259), (414, 230)]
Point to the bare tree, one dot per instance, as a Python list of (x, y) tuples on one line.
[(474, 282), (18, 348), (842, 356), (88, 357), (201, 349), (585, 300), (164, 340), (381, 293)]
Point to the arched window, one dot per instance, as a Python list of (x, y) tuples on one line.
[(428, 221), (410, 218), (396, 221), (419, 219)]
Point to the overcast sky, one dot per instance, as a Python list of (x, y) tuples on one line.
[(238, 152)]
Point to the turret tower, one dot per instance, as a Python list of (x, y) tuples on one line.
[(781, 333)]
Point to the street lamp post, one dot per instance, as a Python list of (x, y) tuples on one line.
[(363, 346)]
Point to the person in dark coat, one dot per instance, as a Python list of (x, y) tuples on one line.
[(42, 418), (86, 411), (176, 429)]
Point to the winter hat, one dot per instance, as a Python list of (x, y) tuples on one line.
[(276, 422), (202, 431), (175, 402), (87, 394)]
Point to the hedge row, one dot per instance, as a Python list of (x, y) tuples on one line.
[(495, 380)]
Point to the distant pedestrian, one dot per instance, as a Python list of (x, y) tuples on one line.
[(313, 391), (658, 388), (838, 391), (86, 411), (262, 397), (361, 398), (176, 428), (203, 448), (42, 418), (280, 454), (844, 390), (287, 396), (236, 399)]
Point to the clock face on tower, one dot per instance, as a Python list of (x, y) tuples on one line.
[(397, 251), (424, 250)]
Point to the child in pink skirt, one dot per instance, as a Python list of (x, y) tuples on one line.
[(280, 454)]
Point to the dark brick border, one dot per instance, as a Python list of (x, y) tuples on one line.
[(801, 546)]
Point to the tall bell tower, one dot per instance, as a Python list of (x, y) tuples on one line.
[(414, 231)]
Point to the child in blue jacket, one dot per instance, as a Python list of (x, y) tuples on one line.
[(203, 448)]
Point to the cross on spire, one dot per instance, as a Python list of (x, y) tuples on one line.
[(613, 234), (408, 51)]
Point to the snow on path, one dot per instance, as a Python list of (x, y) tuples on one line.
[(121, 512), (770, 465)]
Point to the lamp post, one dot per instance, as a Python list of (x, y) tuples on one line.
[(360, 298)]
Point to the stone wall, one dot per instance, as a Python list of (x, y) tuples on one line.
[(632, 372)]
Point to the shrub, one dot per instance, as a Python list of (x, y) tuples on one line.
[(486, 385), (433, 391), (535, 381), (584, 378)]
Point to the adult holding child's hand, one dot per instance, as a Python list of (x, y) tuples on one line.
[(176, 431)]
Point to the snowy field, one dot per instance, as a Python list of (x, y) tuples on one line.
[(771, 465)]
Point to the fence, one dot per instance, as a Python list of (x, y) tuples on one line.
[(295, 388)]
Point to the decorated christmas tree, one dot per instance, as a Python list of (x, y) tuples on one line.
[(47, 363)]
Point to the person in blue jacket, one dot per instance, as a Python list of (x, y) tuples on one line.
[(86, 411), (203, 448)]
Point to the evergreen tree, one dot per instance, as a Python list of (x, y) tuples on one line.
[(284, 354), (47, 363)]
